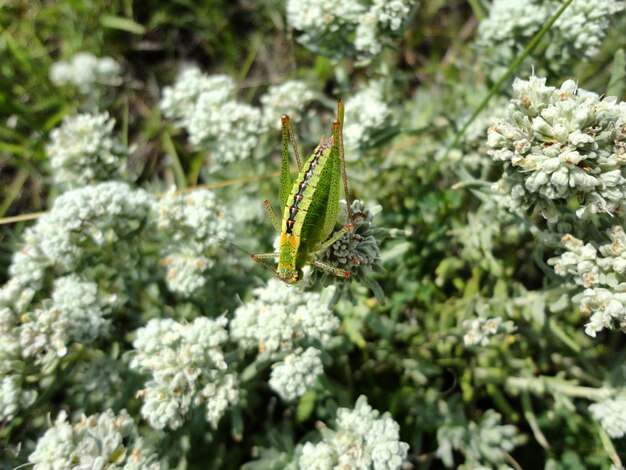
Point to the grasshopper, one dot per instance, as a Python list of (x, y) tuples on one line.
[(310, 204)]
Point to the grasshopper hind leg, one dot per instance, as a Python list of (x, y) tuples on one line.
[(331, 269)]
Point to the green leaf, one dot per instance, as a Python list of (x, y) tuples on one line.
[(306, 405), (123, 24), (618, 75)]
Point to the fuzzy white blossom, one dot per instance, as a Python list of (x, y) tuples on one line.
[(611, 414), (81, 222), (97, 215), (230, 130), (383, 17), (601, 271), (179, 99), (290, 97), (83, 150), (575, 36), (560, 144), (86, 71), (296, 373), (280, 317), (195, 225), (579, 32), (98, 441), (205, 107), (77, 313), (187, 368), (362, 440), (347, 28), (480, 331), (366, 113)]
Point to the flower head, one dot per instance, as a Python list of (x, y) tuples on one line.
[(86, 71), (187, 367), (83, 150), (561, 144), (362, 439)]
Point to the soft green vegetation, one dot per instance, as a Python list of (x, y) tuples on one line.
[(483, 323)]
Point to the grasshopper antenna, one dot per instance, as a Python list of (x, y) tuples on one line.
[(251, 255)]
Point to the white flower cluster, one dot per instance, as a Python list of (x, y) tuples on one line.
[(559, 144), (178, 100), (281, 317), (612, 416), (99, 441), (290, 98), (481, 443), (204, 106), (85, 71), (362, 440), (579, 32), (77, 313), (602, 272), (83, 150), (296, 373), (80, 221), (366, 112), (196, 226), (346, 28), (575, 36), (480, 331), (187, 368)]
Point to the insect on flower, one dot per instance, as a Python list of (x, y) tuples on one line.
[(310, 204)]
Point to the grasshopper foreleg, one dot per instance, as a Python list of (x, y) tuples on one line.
[(346, 228), (273, 215), (259, 257)]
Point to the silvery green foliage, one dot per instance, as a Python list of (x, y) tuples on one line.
[(205, 107), (560, 144), (362, 440), (86, 71), (482, 443), (195, 226), (100, 441), (77, 313), (357, 251), (472, 150), (612, 416), (347, 28), (187, 368), (481, 331), (91, 218), (601, 271), (290, 98), (281, 318), (12, 396), (575, 36), (366, 113), (296, 373), (83, 150)]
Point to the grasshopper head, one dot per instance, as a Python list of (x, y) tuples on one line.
[(289, 276)]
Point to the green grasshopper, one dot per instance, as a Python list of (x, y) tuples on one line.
[(309, 205)]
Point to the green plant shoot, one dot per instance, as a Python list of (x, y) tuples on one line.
[(310, 204)]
